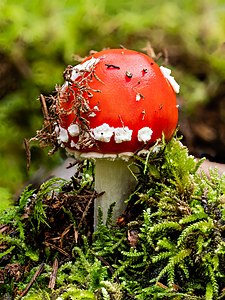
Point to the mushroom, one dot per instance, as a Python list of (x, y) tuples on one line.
[(113, 104)]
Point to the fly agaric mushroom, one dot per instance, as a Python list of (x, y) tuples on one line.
[(113, 104)]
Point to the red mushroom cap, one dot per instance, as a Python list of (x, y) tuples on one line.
[(116, 101)]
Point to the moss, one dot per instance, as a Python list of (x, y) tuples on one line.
[(168, 244)]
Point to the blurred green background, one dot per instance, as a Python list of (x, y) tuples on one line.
[(39, 38)]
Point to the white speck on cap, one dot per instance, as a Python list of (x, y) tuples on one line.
[(166, 72), (84, 67), (144, 134), (77, 70), (63, 135), (122, 134), (92, 114), (74, 130), (103, 133), (96, 108), (57, 129), (74, 145), (138, 97)]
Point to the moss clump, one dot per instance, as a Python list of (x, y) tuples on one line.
[(168, 244)]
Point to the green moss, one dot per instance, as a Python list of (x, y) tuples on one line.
[(170, 245)]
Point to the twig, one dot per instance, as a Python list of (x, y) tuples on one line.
[(109, 266), (45, 111), (161, 285), (4, 228), (64, 233), (28, 153), (37, 273), (57, 248), (94, 195), (44, 108), (52, 280)]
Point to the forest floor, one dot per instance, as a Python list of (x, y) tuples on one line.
[(204, 131)]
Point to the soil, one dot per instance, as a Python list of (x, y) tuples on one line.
[(204, 131)]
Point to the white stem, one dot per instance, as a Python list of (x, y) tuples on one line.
[(115, 179)]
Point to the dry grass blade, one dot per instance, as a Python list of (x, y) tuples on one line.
[(52, 280), (37, 273)]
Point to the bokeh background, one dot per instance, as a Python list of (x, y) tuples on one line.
[(39, 38)]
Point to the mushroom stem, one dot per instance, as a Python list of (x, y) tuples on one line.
[(115, 179)]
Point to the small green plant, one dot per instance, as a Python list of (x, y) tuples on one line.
[(168, 244), (180, 248)]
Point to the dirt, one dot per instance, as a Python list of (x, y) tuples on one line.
[(204, 131)]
